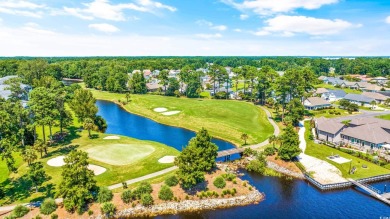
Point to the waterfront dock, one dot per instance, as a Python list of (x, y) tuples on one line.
[(372, 191)]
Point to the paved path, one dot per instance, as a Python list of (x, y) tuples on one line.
[(324, 172)]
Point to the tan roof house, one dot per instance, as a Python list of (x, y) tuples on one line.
[(313, 103)]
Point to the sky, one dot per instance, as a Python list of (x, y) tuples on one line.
[(195, 28)]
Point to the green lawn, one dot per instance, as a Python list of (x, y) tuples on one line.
[(326, 113), (331, 87), (224, 119), (323, 151), (387, 117)]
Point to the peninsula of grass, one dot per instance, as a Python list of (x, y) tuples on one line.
[(322, 152), (224, 119), (136, 158)]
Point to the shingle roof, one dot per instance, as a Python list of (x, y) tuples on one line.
[(358, 98), (376, 96), (317, 101), (329, 125), (321, 90), (338, 93), (369, 132)]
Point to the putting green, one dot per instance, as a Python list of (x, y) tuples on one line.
[(119, 154)]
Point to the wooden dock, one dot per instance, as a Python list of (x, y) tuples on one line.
[(227, 153), (372, 191)]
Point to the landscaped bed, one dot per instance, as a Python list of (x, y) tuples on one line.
[(225, 119)]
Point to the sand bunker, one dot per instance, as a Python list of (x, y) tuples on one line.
[(170, 113), (167, 159), (59, 162), (160, 109), (97, 170), (56, 162), (111, 137)]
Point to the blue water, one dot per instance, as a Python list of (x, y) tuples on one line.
[(122, 122), (284, 198)]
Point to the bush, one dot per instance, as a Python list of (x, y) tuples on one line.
[(48, 206), (165, 193), (256, 166), (124, 184), (20, 211), (269, 151), (146, 199), (143, 188), (127, 196), (90, 212), (229, 176), (108, 209), (248, 152), (219, 182), (104, 195), (54, 216), (172, 181)]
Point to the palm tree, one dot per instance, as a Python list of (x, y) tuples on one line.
[(373, 104), (127, 96), (244, 137), (40, 146), (29, 156), (88, 125)]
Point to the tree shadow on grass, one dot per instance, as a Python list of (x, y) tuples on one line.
[(94, 136), (16, 189), (62, 150)]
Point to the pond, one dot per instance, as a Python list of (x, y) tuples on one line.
[(284, 198)]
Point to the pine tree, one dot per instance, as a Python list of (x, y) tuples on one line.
[(289, 147)]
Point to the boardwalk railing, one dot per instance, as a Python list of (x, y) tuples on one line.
[(347, 184)]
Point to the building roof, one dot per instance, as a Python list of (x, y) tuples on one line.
[(358, 98), (369, 86), (329, 125), (321, 90), (317, 101), (322, 77), (371, 132), (370, 120), (338, 93), (379, 78), (350, 83), (153, 86), (376, 96)]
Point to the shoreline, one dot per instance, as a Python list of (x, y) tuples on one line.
[(189, 206)]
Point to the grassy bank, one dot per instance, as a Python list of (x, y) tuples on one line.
[(387, 117), (323, 151), (225, 119)]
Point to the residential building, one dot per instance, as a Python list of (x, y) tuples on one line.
[(328, 129), (153, 87), (320, 91), (6, 93), (359, 99), (379, 98), (333, 95), (313, 103), (380, 80)]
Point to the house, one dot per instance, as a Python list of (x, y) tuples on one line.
[(351, 85), (321, 91), (333, 81), (153, 87), (380, 98), (333, 95), (359, 99), (6, 93), (155, 73), (362, 133), (329, 129), (322, 78), (365, 86), (380, 80), (147, 74), (313, 103)]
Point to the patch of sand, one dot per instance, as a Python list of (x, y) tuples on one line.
[(339, 160), (167, 159), (160, 109), (56, 162), (59, 162), (169, 113), (112, 137), (97, 170)]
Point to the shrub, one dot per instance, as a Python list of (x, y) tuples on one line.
[(248, 152), (229, 176), (20, 211), (269, 151), (104, 195), (234, 181), (90, 212), (146, 199), (38, 217), (108, 209), (172, 181), (54, 216), (256, 166), (48, 206), (127, 196), (187, 197), (244, 184), (219, 182), (143, 188), (124, 184), (165, 193)]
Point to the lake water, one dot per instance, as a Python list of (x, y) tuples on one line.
[(284, 198)]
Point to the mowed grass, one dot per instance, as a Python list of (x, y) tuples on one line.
[(119, 154), (224, 119), (387, 117), (323, 151), (331, 87)]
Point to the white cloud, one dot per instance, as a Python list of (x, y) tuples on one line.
[(107, 28), (244, 16), (36, 28), (211, 25), (237, 30), (105, 10), (290, 25), (22, 8), (269, 7), (388, 20), (209, 36)]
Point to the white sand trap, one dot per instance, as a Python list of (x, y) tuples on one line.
[(167, 159), (111, 137), (169, 113), (97, 170), (160, 109), (339, 160), (56, 162)]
